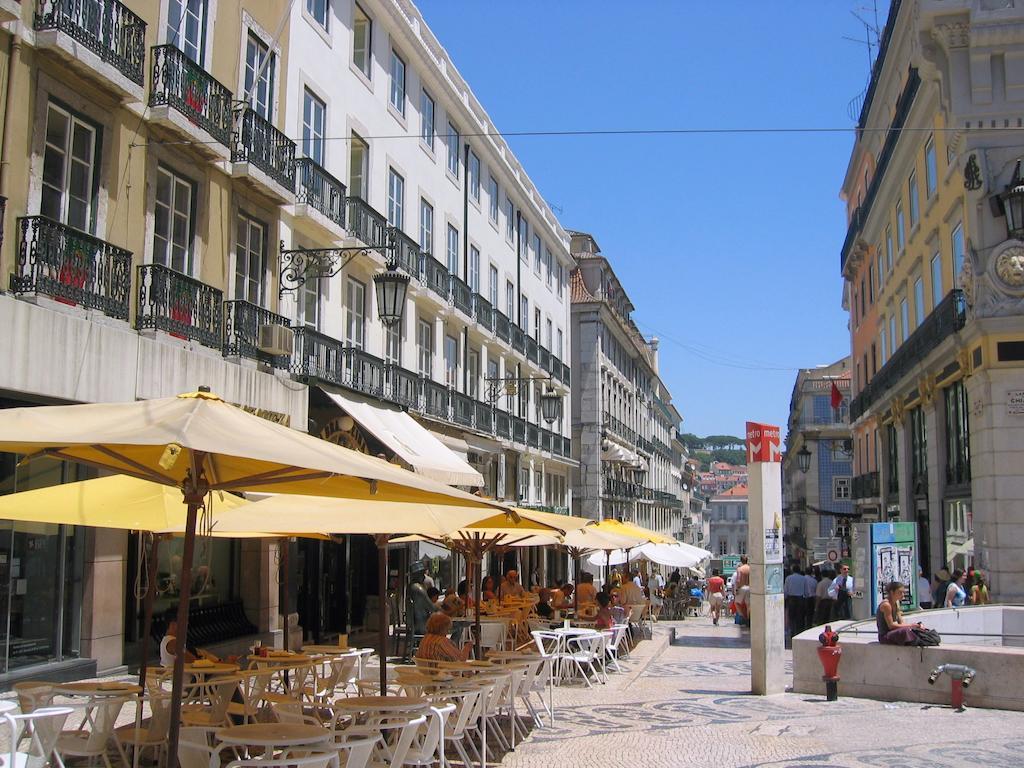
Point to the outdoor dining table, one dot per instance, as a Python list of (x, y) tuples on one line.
[(95, 688), (382, 704), (274, 735), (200, 670)]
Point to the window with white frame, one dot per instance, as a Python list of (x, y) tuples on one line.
[(393, 342), (560, 279), (259, 76), (548, 333), (904, 319), (452, 250), (473, 374), (957, 247), (548, 272), (358, 167), (888, 249), (314, 118), (173, 221), (396, 198), (936, 280), (524, 314), (510, 220), (912, 196), (493, 286), (524, 239), (474, 269), (840, 488), (510, 300), (453, 150), (250, 259), (69, 168), (879, 272), (931, 169), (451, 361), (918, 301), (309, 303), (425, 348), (427, 125), (186, 27), (426, 227), (558, 344), (723, 547), (893, 338), (319, 10), (882, 341), (536, 324), (901, 229), (355, 313), (474, 176), (492, 199), (397, 91), (538, 253), (362, 40)]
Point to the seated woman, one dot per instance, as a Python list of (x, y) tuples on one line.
[(586, 592), (435, 645), (567, 597), (604, 618), (543, 607), (889, 619), (487, 589), (169, 646)]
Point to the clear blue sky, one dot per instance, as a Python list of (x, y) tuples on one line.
[(728, 245)]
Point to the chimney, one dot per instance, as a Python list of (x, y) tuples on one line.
[(653, 344)]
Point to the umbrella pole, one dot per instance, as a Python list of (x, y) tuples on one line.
[(576, 591), (285, 596), (382, 620), (479, 566), (147, 609), (607, 566), (194, 497)]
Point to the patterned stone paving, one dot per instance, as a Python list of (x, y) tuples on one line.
[(689, 704)]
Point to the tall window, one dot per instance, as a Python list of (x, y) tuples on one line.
[(524, 239), (259, 76), (427, 128), (186, 27), (493, 286), (558, 344), (918, 301), (425, 348), (548, 333), (879, 272), (931, 171), (362, 39), (452, 249), (915, 210), (958, 435), (510, 300), (901, 229), (309, 303), (474, 176), (548, 273), (314, 113), (393, 342), (536, 324), (957, 245), (68, 169), (358, 167), (492, 199), (560, 279), (882, 342), (904, 319), (396, 198), (355, 313), (510, 220), (894, 341), (426, 227), (888, 249), (453, 150), (451, 361), (397, 93), (319, 10), (892, 459), (172, 221), (474, 268), (524, 314), (538, 255), (473, 374), (250, 259), (936, 280)]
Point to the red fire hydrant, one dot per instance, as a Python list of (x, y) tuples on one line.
[(960, 675), (829, 654)]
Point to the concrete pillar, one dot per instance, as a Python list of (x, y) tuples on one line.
[(103, 597), (906, 492), (259, 588), (997, 481), (767, 623), (935, 436)]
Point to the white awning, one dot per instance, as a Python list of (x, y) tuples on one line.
[(412, 442)]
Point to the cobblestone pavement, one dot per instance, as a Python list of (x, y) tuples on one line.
[(688, 704)]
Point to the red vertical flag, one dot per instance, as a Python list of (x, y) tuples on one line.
[(837, 396)]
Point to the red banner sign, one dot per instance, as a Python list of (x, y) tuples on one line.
[(763, 443)]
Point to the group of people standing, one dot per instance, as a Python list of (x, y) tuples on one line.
[(817, 596)]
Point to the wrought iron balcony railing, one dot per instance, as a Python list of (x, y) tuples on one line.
[(532, 349), (259, 143), (318, 357), (435, 398), (502, 326), (544, 361), (435, 275), (518, 339), (365, 223), (319, 190), (462, 409), (402, 386), (462, 295), (179, 305), (518, 430), (72, 266), (405, 251), (533, 435), (483, 417), (364, 372), (242, 323), (179, 82), (105, 27), (503, 424), (483, 311), (946, 319), (865, 486), (618, 427)]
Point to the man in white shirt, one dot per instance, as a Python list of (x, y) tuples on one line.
[(511, 587), (841, 591), (793, 589), (659, 580), (637, 580), (810, 590)]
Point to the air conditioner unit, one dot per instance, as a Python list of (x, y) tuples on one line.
[(276, 340)]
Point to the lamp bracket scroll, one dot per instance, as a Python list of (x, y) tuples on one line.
[(301, 264)]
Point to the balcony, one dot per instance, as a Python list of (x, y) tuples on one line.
[(187, 100), (402, 386), (435, 275), (435, 399), (544, 359), (483, 312), (462, 296), (366, 225), (405, 251), (946, 319), (556, 368), (72, 267), (518, 339), (483, 417), (502, 424), (101, 39), (462, 409), (565, 374), (533, 435), (532, 350), (179, 305), (320, 197), (363, 372), (317, 357), (618, 428), (866, 486), (518, 430), (242, 323), (547, 440), (502, 326), (262, 156), (10, 10)]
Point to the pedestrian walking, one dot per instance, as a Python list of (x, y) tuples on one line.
[(810, 593), (924, 590), (822, 602), (716, 595), (793, 589), (841, 592)]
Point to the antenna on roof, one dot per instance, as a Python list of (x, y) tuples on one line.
[(870, 41)]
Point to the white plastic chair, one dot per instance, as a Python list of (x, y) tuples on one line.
[(194, 750), (42, 727), (583, 652), (97, 732), (305, 759), (428, 743), (465, 701), (154, 733), (493, 635), (615, 643), (396, 734), (215, 714)]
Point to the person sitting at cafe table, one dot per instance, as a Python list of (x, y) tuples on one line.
[(511, 587), (567, 597), (420, 605), (543, 606), (436, 646), (586, 592), (169, 646), (604, 618), (487, 589)]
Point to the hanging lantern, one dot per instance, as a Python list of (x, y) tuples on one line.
[(803, 456), (391, 289), (551, 406), (1012, 200)]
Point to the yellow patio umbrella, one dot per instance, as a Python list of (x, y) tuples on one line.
[(198, 443), (643, 535)]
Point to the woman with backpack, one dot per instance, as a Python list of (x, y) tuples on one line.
[(889, 619), (956, 594)]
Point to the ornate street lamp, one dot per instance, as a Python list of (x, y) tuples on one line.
[(1012, 200), (803, 456), (550, 406), (391, 288)]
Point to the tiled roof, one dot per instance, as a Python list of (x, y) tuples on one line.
[(578, 291), (737, 491)]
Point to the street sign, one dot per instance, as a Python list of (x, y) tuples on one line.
[(833, 556), (729, 564), (763, 443)]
